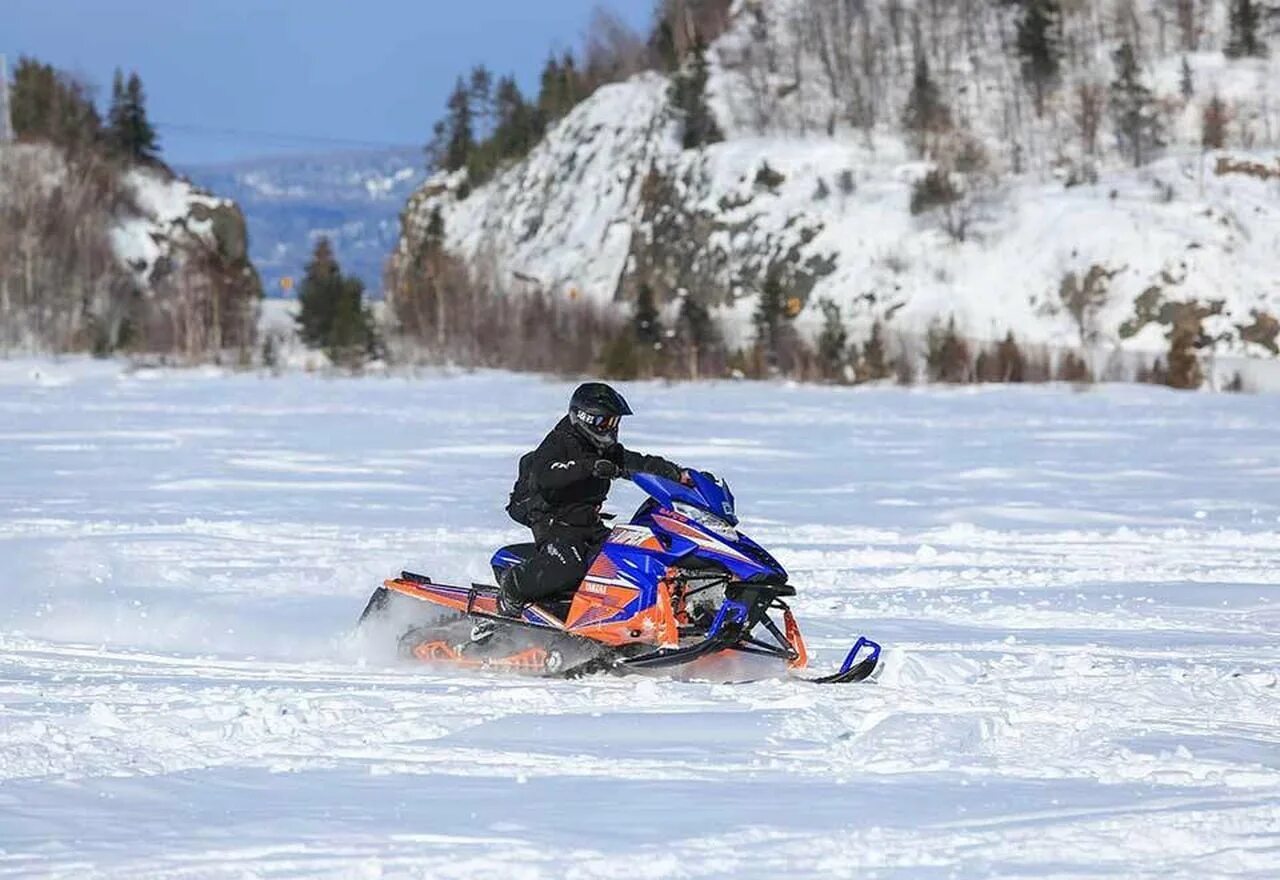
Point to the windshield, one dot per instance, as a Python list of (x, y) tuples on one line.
[(706, 492)]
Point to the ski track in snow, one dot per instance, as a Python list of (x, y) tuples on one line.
[(1077, 593)]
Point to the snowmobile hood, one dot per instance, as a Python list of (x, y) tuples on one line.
[(707, 493), (713, 533)]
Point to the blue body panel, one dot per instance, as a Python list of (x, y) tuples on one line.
[(707, 493), (504, 559), (644, 567)]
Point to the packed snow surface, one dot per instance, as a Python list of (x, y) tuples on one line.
[(1077, 593)]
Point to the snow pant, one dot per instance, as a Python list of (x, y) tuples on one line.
[(563, 557)]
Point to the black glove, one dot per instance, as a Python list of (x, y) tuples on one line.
[(614, 454), (605, 469)]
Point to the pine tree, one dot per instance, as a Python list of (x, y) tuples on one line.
[(833, 341), (848, 186), (1213, 124), (875, 365), (518, 127), (1186, 82), (559, 88), (515, 127), (116, 123), (1039, 47), (694, 323), (482, 162), (695, 333), (1137, 125), (456, 132), (1072, 368), (351, 338), (130, 134), (1010, 364), (1243, 21), (571, 91), (662, 46), (332, 314), (480, 96), (435, 228), (548, 90), (1188, 28), (645, 321), (144, 142), (51, 105), (948, 357), (688, 95), (772, 321), (926, 113), (319, 290), (621, 358)]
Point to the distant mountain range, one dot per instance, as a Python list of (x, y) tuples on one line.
[(352, 197)]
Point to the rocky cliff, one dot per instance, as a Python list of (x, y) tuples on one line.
[(106, 258), (1044, 227)]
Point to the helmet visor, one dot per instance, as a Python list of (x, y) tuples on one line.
[(599, 424), (601, 429)]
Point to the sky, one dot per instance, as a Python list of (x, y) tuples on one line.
[(237, 79)]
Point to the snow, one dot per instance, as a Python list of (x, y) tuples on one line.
[(1076, 591), (164, 214)]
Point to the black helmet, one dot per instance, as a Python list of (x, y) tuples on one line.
[(595, 410)]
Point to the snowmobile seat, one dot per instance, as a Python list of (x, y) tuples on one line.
[(512, 554)]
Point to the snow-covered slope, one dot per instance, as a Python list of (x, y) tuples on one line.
[(1077, 593), (609, 200), (563, 218), (353, 198)]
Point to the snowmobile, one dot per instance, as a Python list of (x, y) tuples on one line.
[(674, 586)]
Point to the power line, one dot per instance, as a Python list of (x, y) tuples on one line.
[(279, 136)]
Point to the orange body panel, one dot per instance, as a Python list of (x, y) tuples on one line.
[(456, 599), (602, 596), (528, 660), (796, 640), (655, 625)]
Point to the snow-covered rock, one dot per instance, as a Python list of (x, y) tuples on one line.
[(563, 218), (171, 213), (609, 200), (95, 256)]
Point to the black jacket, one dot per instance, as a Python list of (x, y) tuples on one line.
[(561, 471)]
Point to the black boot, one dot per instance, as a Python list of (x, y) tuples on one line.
[(509, 602)]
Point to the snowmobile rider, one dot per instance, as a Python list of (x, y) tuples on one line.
[(560, 491)]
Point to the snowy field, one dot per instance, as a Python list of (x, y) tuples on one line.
[(1077, 593)]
